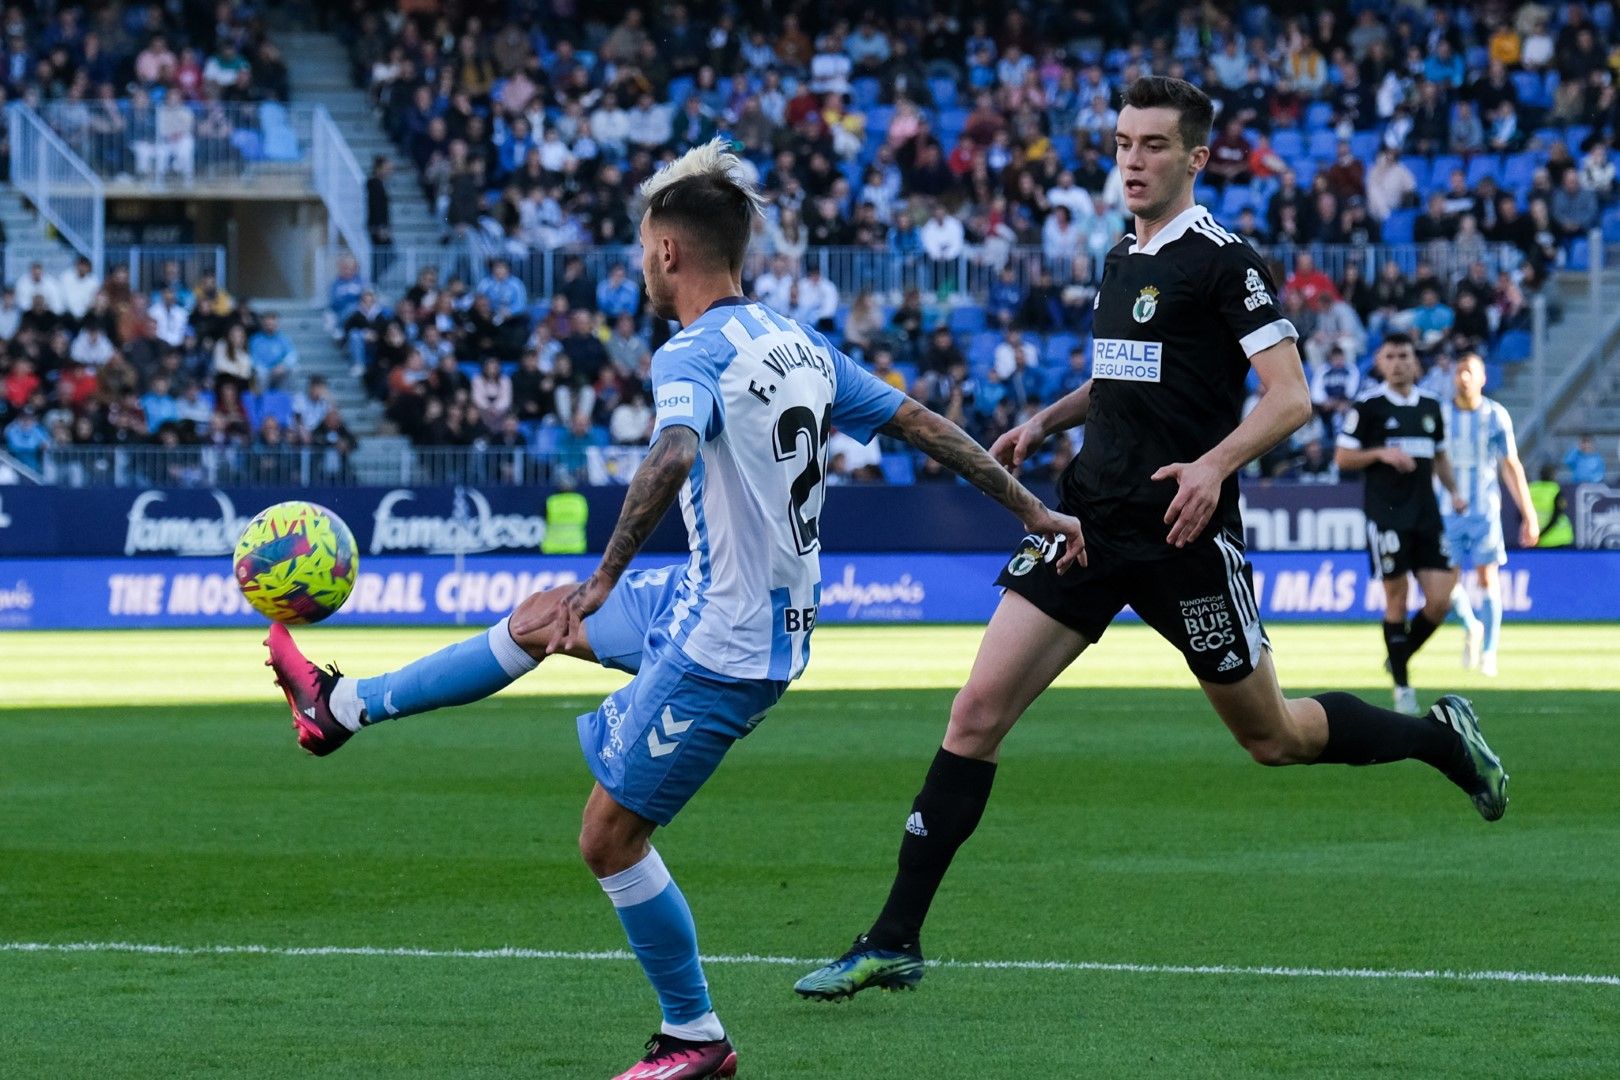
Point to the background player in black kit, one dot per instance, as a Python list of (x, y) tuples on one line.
[(1184, 310), (1396, 433)]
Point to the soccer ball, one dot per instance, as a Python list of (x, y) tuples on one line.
[(295, 562)]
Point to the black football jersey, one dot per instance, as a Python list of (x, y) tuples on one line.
[(1414, 423), (1176, 322)]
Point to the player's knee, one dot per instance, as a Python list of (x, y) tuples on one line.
[(536, 621), (979, 720), (606, 850)]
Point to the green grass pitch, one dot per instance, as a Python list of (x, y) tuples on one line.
[(151, 794)]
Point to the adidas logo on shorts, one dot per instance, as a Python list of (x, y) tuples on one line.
[(1230, 662), (915, 826)]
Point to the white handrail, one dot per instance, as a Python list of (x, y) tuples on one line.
[(63, 188), (341, 184)]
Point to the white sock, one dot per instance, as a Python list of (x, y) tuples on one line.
[(345, 703), (705, 1028)]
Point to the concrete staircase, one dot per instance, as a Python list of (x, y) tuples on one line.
[(305, 323), (1581, 383), (27, 238), (319, 67)]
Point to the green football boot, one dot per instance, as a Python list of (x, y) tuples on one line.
[(863, 966), (1488, 786)]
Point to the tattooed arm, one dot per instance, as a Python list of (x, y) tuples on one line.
[(654, 487), (955, 449)]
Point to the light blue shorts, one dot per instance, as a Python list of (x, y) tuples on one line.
[(1475, 540), (654, 742)]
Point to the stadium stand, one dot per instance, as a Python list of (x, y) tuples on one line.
[(952, 168)]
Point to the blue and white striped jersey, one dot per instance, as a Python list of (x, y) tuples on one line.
[(1477, 440), (763, 393)]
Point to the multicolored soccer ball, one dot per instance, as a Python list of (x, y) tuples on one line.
[(296, 562)]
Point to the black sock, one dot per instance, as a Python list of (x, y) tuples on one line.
[(1363, 734), (944, 814), (1395, 643), (1422, 630)]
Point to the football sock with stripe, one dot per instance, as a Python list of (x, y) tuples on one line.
[(1364, 734), (663, 936), (1491, 609), (1395, 646), (456, 674), (1462, 607), (943, 816)]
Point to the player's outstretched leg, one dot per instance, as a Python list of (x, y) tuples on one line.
[(1340, 729), (329, 707)]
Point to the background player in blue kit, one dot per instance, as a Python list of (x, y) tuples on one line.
[(1480, 444), (745, 402)]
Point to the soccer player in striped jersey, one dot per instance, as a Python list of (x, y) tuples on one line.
[(1484, 457), (745, 402)]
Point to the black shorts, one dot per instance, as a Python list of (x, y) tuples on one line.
[(1201, 599), (1394, 553)]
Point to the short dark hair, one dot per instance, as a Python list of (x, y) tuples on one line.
[(1398, 339), (708, 202), (1196, 111)]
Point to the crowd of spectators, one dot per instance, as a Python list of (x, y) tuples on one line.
[(147, 89), (91, 363)]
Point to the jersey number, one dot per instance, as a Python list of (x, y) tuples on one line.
[(796, 423)]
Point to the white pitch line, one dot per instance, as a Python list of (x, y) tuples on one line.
[(510, 953)]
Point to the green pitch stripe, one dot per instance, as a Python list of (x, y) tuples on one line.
[(509, 953)]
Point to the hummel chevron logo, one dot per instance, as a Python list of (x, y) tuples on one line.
[(658, 748), (1230, 662), (914, 824)]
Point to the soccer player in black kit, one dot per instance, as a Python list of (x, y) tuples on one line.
[(1184, 310), (1396, 433)]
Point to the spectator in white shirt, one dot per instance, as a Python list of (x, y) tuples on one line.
[(311, 404), (830, 67), (79, 287), (942, 236), (851, 462), (630, 423), (35, 283), (774, 288), (170, 322), (91, 348), (1061, 238), (1014, 354), (10, 314), (818, 301), (650, 125), (1076, 198)]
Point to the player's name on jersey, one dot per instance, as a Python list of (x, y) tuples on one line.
[(1120, 358)]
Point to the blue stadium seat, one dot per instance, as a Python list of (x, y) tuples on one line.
[(982, 347), (1398, 226), (1518, 170), (1058, 347), (907, 372), (966, 320), (1611, 226), (1513, 348), (944, 91), (1064, 145), (864, 92), (1580, 255), (1318, 114), (1420, 170), (278, 404), (1481, 166), (898, 468), (1289, 143), (1233, 203), (1529, 85), (1364, 144), (1576, 134), (1440, 170), (1324, 144), (1304, 170), (680, 88), (545, 439)]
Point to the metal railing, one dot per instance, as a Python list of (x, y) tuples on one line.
[(341, 184), (177, 143), (63, 188), (146, 262), (250, 466), (884, 273), (194, 466)]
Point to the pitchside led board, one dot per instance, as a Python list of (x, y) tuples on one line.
[(929, 553)]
